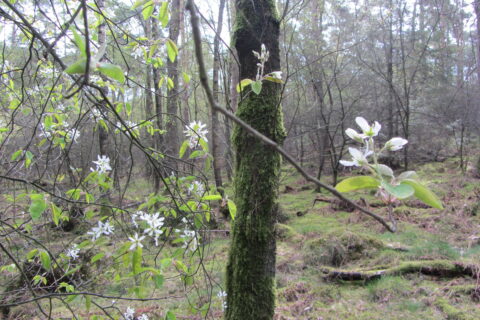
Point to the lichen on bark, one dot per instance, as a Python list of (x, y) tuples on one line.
[(251, 265)]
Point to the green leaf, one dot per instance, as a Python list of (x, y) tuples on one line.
[(138, 3), (88, 302), (147, 10), (45, 259), (137, 261), (128, 108), (196, 154), (186, 78), (356, 183), (78, 67), (384, 170), (243, 84), (183, 149), (272, 79), (38, 206), (170, 316), (232, 208), (257, 87), (424, 194), (56, 213), (32, 254), (112, 71), (172, 50), (16, 154), (163, 15), (212, 197), (97, 257), (79, 42), (159, 280), (401, 191)]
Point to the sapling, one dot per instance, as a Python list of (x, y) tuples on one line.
[(390, 188)]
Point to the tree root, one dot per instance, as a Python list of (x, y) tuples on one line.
[(439, 268)]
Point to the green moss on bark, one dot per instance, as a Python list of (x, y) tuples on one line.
[(251, 265)]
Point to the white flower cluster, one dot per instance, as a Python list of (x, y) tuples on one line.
[(222, 295), (190, 240), (73, 252), (154, 227), (360, 158), (103, 164), (130, 315), (196, 188), (70, 135), (262, 57), (196, 131), (102, 228)]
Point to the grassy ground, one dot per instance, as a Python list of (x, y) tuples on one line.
[(317, 237)]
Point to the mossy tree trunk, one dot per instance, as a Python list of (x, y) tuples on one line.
[(251, 265)]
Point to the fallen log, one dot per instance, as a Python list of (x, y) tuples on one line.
[(438, 268)]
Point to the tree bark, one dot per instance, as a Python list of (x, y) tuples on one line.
[(251, 265), (172, 125), (217, 171)]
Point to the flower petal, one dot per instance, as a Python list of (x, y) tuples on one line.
[(363, 124), (348, 163)]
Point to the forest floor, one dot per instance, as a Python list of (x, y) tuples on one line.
[(335, 263)]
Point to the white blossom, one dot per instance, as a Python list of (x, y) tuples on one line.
[(197, 188), (129, 314), (358, 158), (195, 131), (143, 317), (190, 241), (369, 131), (136, 241), (354, 135), (395, 144), (103, 164), (73, 135), (73, 252), (102, 228)]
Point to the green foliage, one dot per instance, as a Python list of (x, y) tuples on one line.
[(37, 206), (356, 183)]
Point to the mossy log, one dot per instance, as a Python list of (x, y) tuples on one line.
[(439, 268)]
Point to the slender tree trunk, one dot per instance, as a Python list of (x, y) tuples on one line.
[(251, 265), (217, 171), (172, 125)]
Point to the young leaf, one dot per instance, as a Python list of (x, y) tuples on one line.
[(401, 191), (78, 67), (172, 50), (272, 79), (112, 71), (147, 10), (232, 208), (170, 316), (186, 78), (212, 197), (16, 154), (97, 257), (159, 279), (138, 3), (356, 183), (163, 15), (384, 170), (56, 213), (423, 194), (183, 149), (45, 259), (79, 42), (257, 87), (137, 261), (37, 206), (243, 84)]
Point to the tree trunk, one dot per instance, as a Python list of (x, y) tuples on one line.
[(251, 265), (172, 125), (217, 171)]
